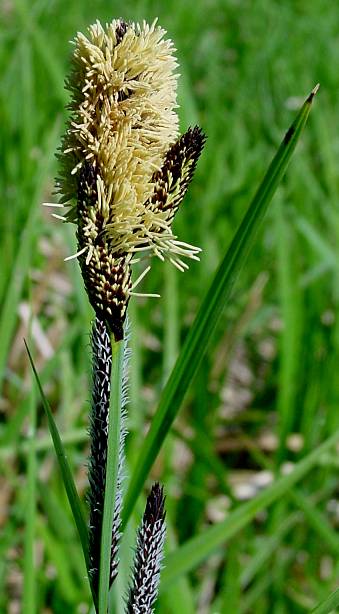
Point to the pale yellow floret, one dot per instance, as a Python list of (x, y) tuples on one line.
[(124, 122), (124, 169)]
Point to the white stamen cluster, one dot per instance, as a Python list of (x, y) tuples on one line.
[(123, 123), (124, 170)]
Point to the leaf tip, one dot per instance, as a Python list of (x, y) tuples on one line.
[(313, 93), (28, 350)]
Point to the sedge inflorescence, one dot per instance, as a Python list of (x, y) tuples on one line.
[(151, 534), (125, 169)]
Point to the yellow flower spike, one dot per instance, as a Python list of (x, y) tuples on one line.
[(124, 170)]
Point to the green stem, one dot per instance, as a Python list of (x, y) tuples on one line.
[(112, 466), (329, 605)]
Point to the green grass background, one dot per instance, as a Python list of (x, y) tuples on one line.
[(267, 391)]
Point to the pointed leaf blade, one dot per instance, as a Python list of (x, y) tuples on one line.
[(211, 309), (67, 477)]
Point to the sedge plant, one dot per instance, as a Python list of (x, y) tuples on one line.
[(124, 171)]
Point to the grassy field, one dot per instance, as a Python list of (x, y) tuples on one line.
[(266, 395)]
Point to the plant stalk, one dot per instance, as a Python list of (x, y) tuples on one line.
[(113, 446)]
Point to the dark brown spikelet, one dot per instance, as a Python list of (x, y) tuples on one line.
[(173, 179), (120, 31), (107, 277), (148, 555), (102, 364)]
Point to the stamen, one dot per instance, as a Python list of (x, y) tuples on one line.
[(59, 217), (144, 295), (58, 205), (82, 251), (183, 244), (89, 255), (177, 265), (159, 254), (137, 281), (182, 263)]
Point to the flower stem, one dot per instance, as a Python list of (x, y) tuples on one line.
[(112, 469)]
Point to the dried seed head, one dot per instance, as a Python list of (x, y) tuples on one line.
[(124, 173)]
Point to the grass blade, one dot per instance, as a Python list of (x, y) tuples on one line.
[(211, 309), (28, 601), (23, 258), (329, 605), (198, 548), (67, 477), (317, 521)]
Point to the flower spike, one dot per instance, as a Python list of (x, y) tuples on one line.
[(97, 469), (148, 556), (124, 170)]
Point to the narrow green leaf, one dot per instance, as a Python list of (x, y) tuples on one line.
[(24, 254), (253, 596), (69, 588), (290, 338), (113, 444), (211, 309), (329, 605), (202, 447), (231, 591), (28, 600), (181, 596), (194, 551), (266, 549), (73, 436), (50, 60), (317, 521), (67, 477)]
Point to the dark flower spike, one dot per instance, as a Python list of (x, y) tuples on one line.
[(171, 183), (148, 555), (107, 277), (102, 364), (124, 171)]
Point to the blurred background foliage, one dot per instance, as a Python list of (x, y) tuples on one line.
[(268, 390)]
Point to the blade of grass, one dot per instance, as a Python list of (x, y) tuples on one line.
[(73, 436), (67, 477), (51, 61), (267, 549), (28, 602), (68, 585), (118, 592), (202, 448), (61, 526), (10, 434), (253, 596), (24, 254), (231, 591), (328, 605), (136, 409), (113, 445), (211, 309), (319, 523), (181, 597), (290, 336), (198, 548), (171, 326)]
